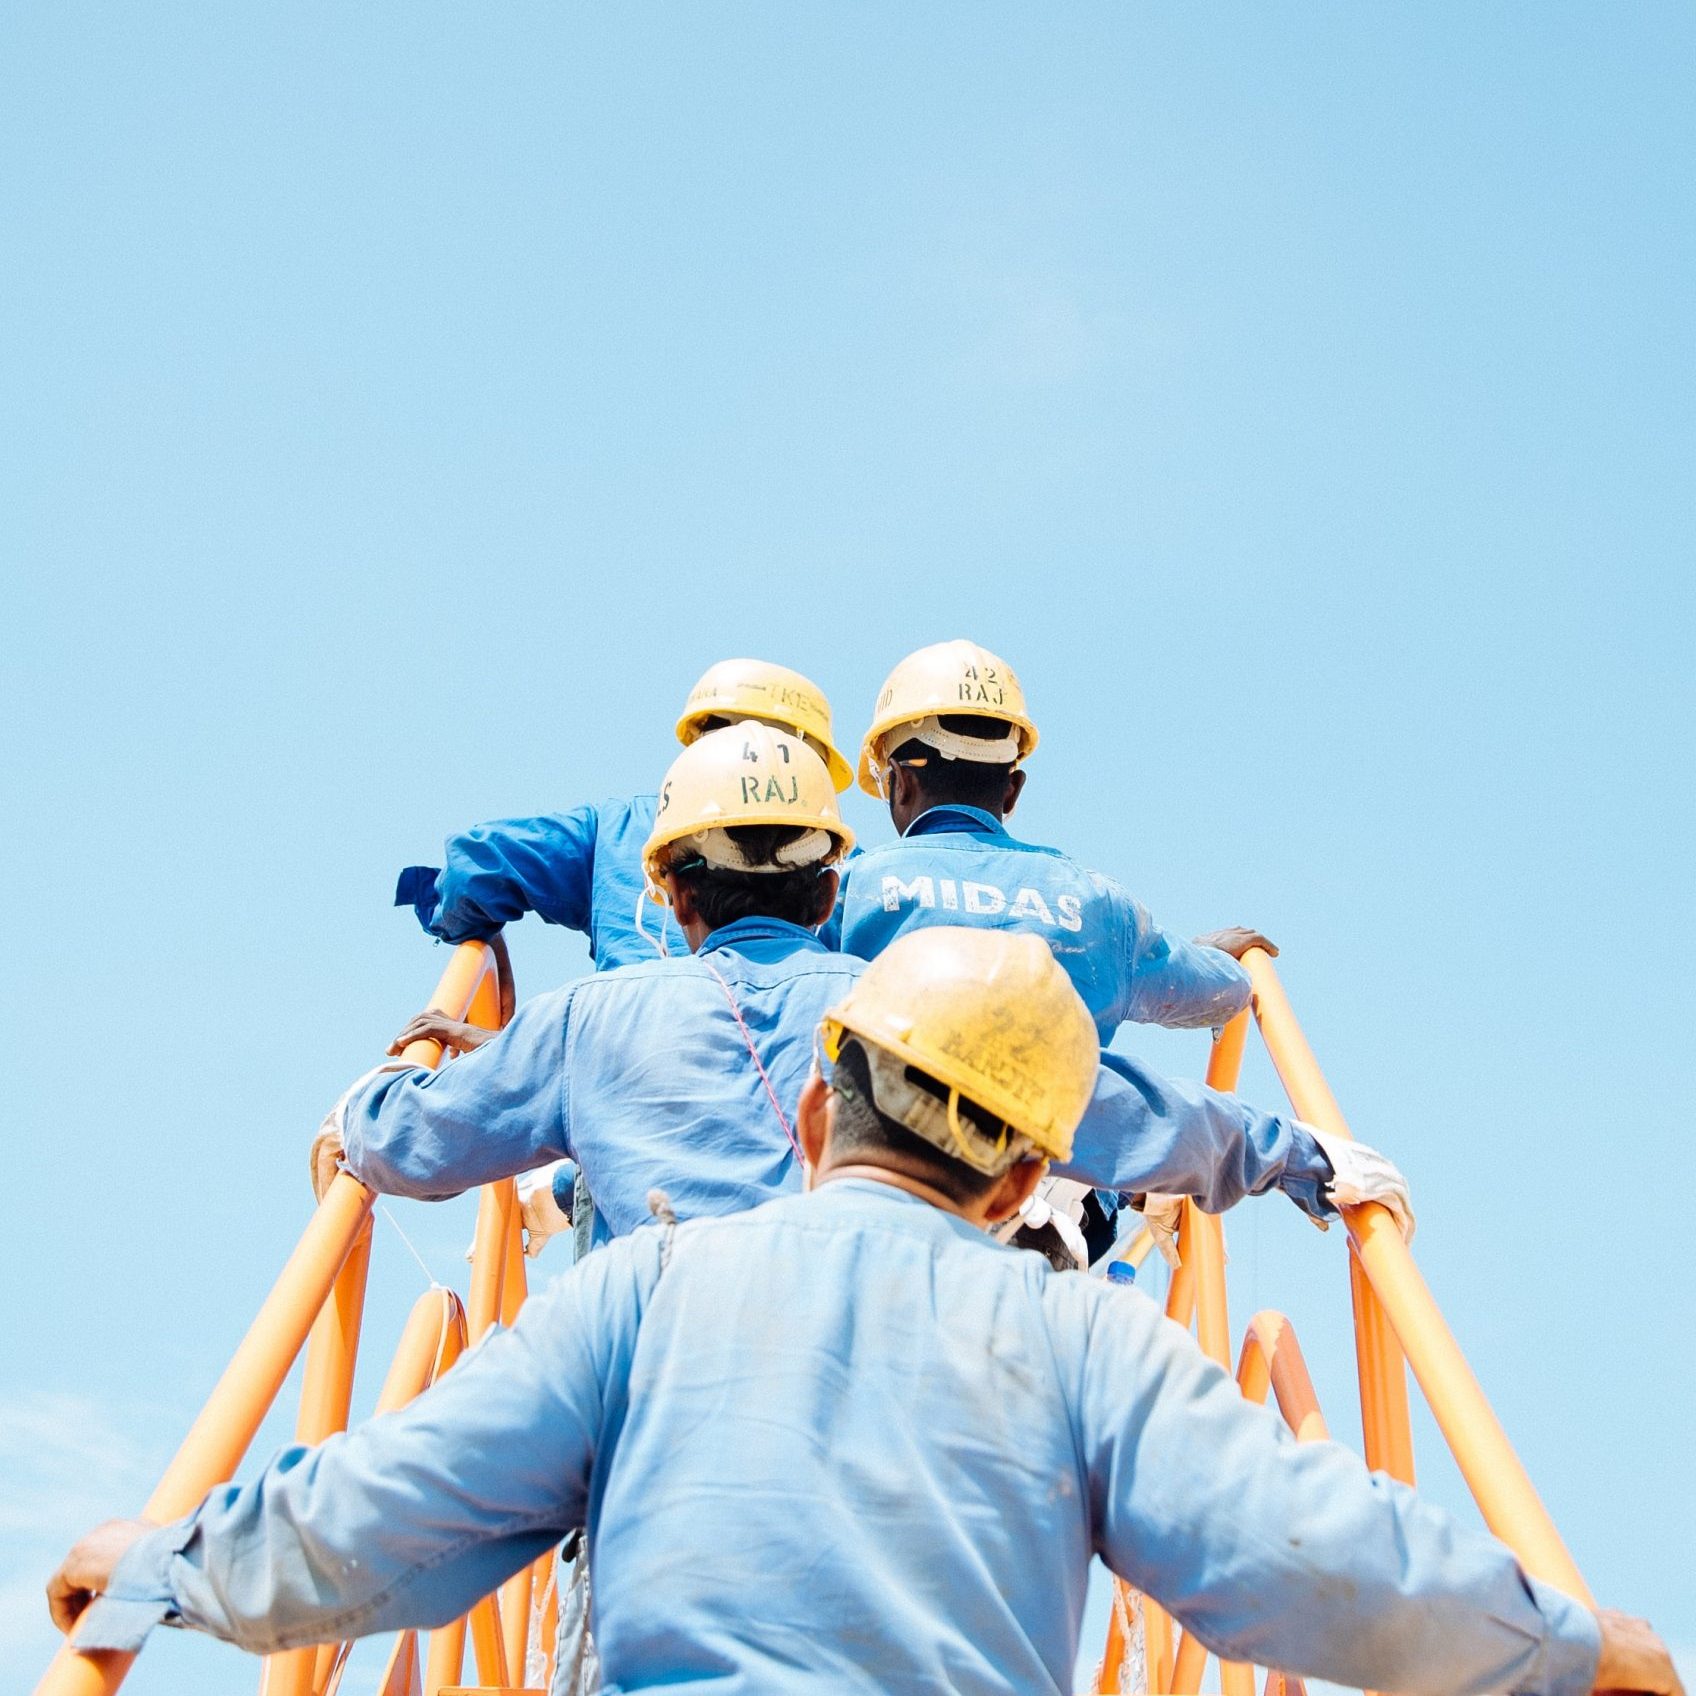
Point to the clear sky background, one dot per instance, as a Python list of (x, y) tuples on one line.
[(402, 405)]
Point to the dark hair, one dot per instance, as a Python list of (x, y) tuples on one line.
[(722, 897), (861, 1127), (964, 783)]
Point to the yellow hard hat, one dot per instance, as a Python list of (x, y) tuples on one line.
[(741, 689), (746, 774), (948, 677), (992, 1016)]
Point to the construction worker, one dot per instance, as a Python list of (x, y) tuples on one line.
[(682, 1073), (583, 869), (846, 1442), (945, 750)]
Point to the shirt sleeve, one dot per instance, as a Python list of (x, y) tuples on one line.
[(1172, 981), (408, 1519), (497, 1111), (498, 872), (1143, 1132), (1291, 1555)]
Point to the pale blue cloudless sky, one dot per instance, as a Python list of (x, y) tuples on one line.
[(401, 407)]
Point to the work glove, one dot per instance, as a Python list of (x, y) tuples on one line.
[(1162, 1214), (1360, 1173), (329, 1146), (539, 1209), (1057, 1202)]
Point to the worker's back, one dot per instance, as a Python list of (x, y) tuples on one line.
[(960, 866), (848, 1459), (681, 1074), (684, 1074)]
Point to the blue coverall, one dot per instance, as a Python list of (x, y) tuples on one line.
[(959, 866), (845, 1442), (644, 1078), (581, 869)]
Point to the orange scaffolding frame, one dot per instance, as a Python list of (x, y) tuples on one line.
[(318, 1302)]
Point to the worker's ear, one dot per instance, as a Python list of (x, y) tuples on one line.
[(1015, 788), (814, 1118), (682, 899), (903, 784), (829, 882), (1017, 1185)]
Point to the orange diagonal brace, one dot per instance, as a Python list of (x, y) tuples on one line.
[(1498, 1482)]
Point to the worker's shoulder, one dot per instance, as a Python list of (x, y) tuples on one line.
[(621, 809)]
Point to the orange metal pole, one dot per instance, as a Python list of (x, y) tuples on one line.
[(515, 1594), (325, 1398), (1498, 1482), (1385, 1423), (1272, 1359)]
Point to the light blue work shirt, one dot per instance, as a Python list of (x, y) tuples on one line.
[(581, 869), (646, 1079), (846, 1443), (642, 1075), (959, 866)]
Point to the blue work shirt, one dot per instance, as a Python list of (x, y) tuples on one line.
[(642, 1075), (847, 1443), (644, 1078), (581, 869), (959, 866)]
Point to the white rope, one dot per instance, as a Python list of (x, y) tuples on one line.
[(430, 1278)]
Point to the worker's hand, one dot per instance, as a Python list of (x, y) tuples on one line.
[(329, 1147), (1163, 1214), (1633, 1657), (429, 1026), (1236, 941), (327, 1152), (539, 1210), (1360, 1174), (86, 1571)]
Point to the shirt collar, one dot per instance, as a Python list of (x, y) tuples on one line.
[(759, 929), (973, 820)]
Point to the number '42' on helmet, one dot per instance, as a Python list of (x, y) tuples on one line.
[(948, 677)]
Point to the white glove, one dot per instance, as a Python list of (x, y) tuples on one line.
[(1360, 1173), (1162, 1214), (542, 1215), (1053, 1204), (329, 1146)]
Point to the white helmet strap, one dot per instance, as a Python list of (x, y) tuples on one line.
[(951, 745), (719, 848), (938, 1119)]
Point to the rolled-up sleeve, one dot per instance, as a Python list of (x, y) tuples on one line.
[(1292, 1555), (1172, 981), (497, 1111), (1145, 1132), (498, 872), (410, 1518)]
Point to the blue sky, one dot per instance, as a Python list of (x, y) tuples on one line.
[(402, 407)]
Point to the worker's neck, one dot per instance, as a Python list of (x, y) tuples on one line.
[(975, 1213)]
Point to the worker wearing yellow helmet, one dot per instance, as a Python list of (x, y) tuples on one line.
[(583, 869), (946, 750), (846, 1442), (679, 1071)]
